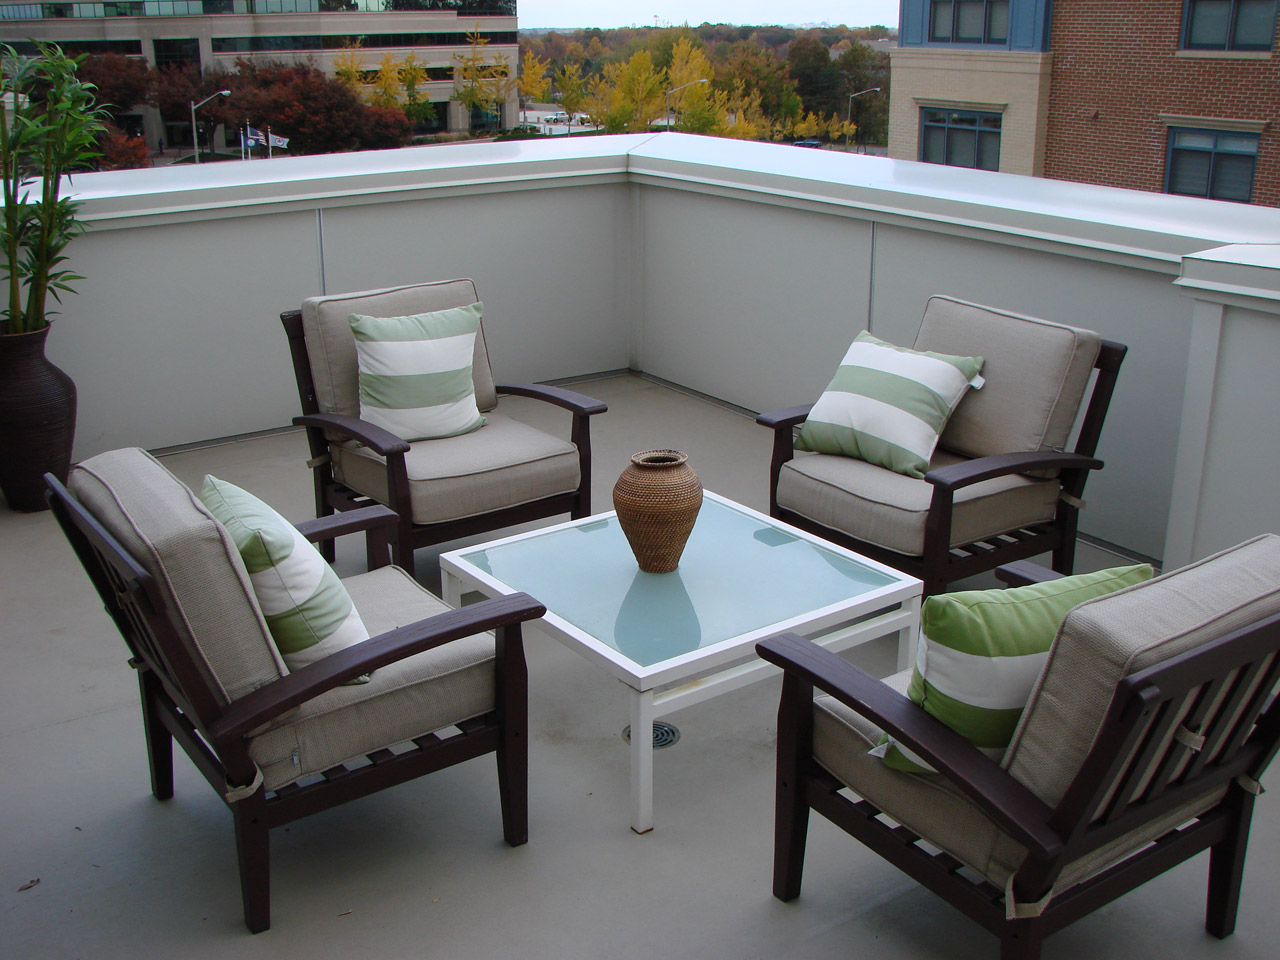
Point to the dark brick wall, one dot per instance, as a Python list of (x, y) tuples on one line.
[(1116, 70)]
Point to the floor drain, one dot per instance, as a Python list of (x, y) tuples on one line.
[(664, 734)]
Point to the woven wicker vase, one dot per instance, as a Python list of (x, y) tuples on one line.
[(657, 498), (37, 420)]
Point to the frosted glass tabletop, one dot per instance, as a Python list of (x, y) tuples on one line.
[(739, 572)]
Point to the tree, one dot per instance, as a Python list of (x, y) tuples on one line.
[(818, 81), (121, 82), (756, 69), (119, 151), (534, 81), (480, 84), (348, 65), (572, 90), (386, 85), (864, 68), (629, 96), (413, 73), (698, 108)]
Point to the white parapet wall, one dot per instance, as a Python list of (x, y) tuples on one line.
[(741, 270)]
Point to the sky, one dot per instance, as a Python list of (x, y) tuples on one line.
[(625, 13)]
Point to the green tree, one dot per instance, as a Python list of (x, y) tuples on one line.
[(864, 68), (479, 83), (412, 74), (572, 89), (818, 80)]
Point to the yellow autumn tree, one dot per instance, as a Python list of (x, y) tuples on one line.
[(628, 96), (386, 85), (534, 81), (348, 66), (695, 106)]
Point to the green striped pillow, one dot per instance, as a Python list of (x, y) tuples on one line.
[(415, 372), (982, 651), (888, 405), (307, 609)]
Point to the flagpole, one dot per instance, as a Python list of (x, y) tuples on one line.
[(268, 141)]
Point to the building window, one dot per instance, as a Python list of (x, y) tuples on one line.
[(969, 21), (960, 138), (1229, 24), (1210, 163)]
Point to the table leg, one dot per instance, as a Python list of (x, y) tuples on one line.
[(909, 637), (642, 761), (450, 589)]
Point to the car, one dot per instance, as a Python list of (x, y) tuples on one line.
[(814, 144), (558, 117)]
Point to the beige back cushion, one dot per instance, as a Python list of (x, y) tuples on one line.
[(206, 590), (332, 347), (1105, 639), (1036, 373)]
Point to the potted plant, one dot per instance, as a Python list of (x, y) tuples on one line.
[(49, 125)]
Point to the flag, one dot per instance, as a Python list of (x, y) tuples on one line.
[(275, 141), (255, 138)]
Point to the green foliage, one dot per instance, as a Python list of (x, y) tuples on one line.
[(53, 132)]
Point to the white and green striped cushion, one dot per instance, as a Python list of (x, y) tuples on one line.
[(415, 372), (307, 609), (982, 651), (888, 405)]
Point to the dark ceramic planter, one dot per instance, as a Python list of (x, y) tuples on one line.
[(37, 420)]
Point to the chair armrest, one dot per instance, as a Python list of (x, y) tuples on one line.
[(377, 439), (376, 517), (968, 472), (375, 521), (1023, 573), (577, 402), (266, 703), (1013, 807), (781, 419)]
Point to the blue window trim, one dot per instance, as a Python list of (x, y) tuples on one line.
[(1185, 40), (1214, 153), (978, 115)]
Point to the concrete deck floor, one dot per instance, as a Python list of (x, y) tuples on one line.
[(421, 870)]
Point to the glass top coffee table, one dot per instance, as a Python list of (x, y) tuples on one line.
[(679, 638)]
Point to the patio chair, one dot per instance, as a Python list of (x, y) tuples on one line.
[(279, 745), (441, 489), (999, 486), (1142, 744)]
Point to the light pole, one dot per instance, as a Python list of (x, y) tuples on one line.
[(848, 117), (195, 135), (676, 89)]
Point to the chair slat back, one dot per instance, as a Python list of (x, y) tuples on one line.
[(131, 598), (1176, 735)]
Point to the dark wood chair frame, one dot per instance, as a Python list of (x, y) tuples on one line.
[(408, 536), (940, 563), (179, 700), (1235, 752)]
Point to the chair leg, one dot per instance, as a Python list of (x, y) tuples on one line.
[(1022, 940), (159, 739), (1226, 869), (327, 548), (513, 748), (253, 850), (791, 812)]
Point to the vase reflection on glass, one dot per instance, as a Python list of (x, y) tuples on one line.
[(658, 498)]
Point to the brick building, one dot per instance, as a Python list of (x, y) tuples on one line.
[(1180, 96)]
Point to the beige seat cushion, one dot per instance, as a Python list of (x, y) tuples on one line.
[(886, 508), (500, 465), (930, 806), (203, 583), (331, 346), (418, 695), (1036, 373), (1103, 640)]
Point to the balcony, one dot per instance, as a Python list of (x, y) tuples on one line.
[(728, 275)]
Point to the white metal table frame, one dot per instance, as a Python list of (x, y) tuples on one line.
[(666, 686)]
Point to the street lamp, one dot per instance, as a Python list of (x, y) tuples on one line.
[(195, 136), (676, 89), (848, 117)]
